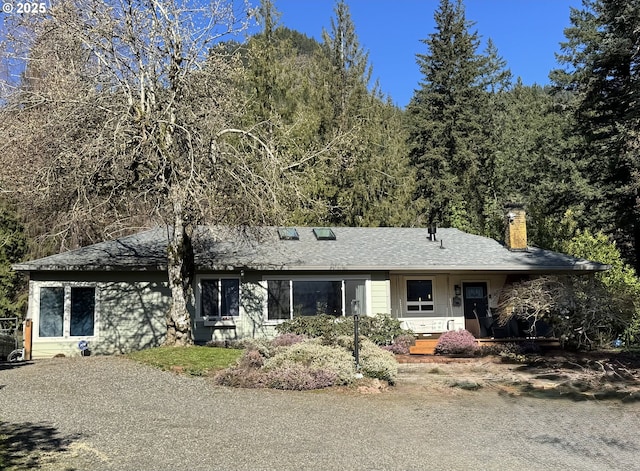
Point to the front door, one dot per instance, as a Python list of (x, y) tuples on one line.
[(476, 308)]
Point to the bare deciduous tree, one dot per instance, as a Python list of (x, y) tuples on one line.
[(126, 112), (579, 308)]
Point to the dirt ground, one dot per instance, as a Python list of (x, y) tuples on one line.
[(577, 376)]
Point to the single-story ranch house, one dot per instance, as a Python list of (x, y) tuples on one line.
[(114, 295)]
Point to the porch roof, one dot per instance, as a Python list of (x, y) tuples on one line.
[(354, 249)]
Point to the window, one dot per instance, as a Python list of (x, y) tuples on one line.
[(288, 233), (219, 298), (287, 299), (51, 312), (67, 311), (83, 307), (279, 299), (324, 233), (312, 298), (419, 295)]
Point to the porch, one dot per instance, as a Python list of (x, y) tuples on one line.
[(426, 345)]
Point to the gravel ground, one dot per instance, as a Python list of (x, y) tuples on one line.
[(108, 413)]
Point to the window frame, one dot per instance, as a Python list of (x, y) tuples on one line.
[(213, 319), (406, 303), (292, 279), (66, 316)]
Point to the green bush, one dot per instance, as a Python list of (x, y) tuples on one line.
[(378, 363), (323, 325), (381, 329), (375, 362)]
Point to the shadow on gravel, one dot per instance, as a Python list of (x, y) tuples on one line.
[(10, 365), (23, 446)]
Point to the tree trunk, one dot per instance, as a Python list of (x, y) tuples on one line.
[(180, 268)]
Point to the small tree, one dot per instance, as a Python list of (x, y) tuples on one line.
[(579, 309), (619, 284)]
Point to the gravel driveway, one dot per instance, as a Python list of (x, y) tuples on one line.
[(108, 413)]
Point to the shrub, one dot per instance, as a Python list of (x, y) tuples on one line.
[(401, 344), (460, 342), (314, 356), (381, 329), (251, 359), (235, 344), (499, 349), (264, 346), (376, 362), (295, 376), (289, 363), (285, 340), (312, 326), (240, 378)]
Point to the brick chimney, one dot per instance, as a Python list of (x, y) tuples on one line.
[(516, 233)]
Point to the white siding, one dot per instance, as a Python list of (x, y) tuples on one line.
[(380, 297)]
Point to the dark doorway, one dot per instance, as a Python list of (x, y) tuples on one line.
[(476, 309)]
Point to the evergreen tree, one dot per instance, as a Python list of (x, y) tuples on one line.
[(602, 65), (449, 146), (371, 181), (13, 248), (535, 160), (350, 67)]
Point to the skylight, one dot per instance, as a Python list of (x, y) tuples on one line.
[(288, 233), (324, 233)]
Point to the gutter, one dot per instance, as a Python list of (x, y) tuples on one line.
[(580, 268)]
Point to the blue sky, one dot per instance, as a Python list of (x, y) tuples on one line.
[(527, 34)]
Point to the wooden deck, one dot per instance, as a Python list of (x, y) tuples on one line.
[(426, 345)]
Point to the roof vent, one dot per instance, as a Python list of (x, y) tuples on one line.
[(288, 233), (324, 233), (432, 233)]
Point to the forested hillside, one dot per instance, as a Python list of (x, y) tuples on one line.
[(120, 119)]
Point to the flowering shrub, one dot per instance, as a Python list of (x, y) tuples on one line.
[(264, 346), (286, 340), (456, 342), (251, 359), (295, 376), (401, 344), (238, 377), (375, 361), (292, 362)]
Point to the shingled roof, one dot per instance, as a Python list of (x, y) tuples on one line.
[(354, 249)]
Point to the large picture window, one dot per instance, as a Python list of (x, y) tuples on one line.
[(291, 298), (67, 311), (219, 298)]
